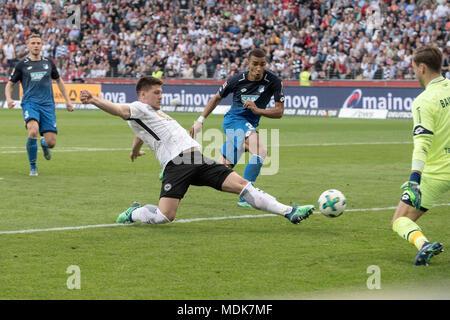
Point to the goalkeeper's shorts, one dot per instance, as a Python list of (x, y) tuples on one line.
[(432, 190)]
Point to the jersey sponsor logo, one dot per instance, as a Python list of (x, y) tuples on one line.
[(37, 76), (250, 97), (421, 130)]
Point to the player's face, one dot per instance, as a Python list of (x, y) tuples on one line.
[(256, 67), (152, 97), (34, 45), (418, 72)]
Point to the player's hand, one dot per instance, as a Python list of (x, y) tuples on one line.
[(86, 97), (196, 128), (412, 190), (134, 155), (69, 106), (11, 104), (251, 106)]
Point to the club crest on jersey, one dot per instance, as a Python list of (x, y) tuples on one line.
[(37, 76), (261, 89), (45, 66), (30, 67), (167, 187)]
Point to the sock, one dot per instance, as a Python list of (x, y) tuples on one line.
[(32, 151), (410, 231), (252, 169), (43, 143), (260, 200), (149, 214)]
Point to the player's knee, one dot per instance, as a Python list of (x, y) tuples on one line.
[(262, 153), (169, 214), (51, 143), (33, 131)]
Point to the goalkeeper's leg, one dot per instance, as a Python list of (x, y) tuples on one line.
[(404, 224)]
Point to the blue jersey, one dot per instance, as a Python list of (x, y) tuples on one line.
[(36, 78), (258, 91)]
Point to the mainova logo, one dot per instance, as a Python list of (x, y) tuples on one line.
[(383, 101), (353, 99)]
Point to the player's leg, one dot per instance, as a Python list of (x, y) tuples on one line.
[(223, 178), (33, 134), (406, 216), (258, 153), (163, 213), (31, 117), (48, 130), (175, 183)]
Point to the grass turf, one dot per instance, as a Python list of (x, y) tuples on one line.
[(250, 258)]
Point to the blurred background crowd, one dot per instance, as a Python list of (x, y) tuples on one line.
[(334, 39)]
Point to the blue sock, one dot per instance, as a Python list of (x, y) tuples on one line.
[(32, 151), (43, 144), (252, 169)]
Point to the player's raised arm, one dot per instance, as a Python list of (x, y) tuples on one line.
[(122, 111), (210, 106)]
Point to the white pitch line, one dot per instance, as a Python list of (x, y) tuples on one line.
[(92, 149), (186, 220)]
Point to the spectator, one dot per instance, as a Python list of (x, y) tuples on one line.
[(9, 52), (322, 32)]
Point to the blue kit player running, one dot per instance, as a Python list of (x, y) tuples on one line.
[(38, 105), (252, 91)]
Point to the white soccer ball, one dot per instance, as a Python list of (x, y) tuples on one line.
[(332, 203), (175, 102)]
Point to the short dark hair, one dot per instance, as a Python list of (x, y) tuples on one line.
[(258, 52), (33, 35), (430, 55), (145, 83)]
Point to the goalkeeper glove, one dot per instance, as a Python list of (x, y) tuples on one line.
[(412, 189)]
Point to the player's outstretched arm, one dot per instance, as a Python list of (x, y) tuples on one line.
[(122, 111), (210, 106), (63, 90)]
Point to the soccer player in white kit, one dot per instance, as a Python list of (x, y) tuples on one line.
[(181, 159)]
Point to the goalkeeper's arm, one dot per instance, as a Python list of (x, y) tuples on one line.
[(422, 144)]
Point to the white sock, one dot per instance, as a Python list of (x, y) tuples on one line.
[(260, 200), (149, 214)]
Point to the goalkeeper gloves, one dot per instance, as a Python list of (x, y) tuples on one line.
[(412, 190)]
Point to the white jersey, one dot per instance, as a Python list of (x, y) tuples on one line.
[(162, 134)]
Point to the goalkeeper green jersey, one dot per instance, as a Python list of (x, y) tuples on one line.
[(432, 129)]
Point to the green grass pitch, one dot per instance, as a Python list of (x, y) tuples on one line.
[(91, 179)]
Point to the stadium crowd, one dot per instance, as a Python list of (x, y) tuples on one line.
[(335, 39)]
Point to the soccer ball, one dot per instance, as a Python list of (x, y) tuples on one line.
[(332, 203)]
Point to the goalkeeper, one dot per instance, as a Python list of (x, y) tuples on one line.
[(430, 174)]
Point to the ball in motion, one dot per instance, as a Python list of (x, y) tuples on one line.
[(332, 203)]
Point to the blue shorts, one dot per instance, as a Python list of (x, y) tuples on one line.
[(45, 116), (236, 131)]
